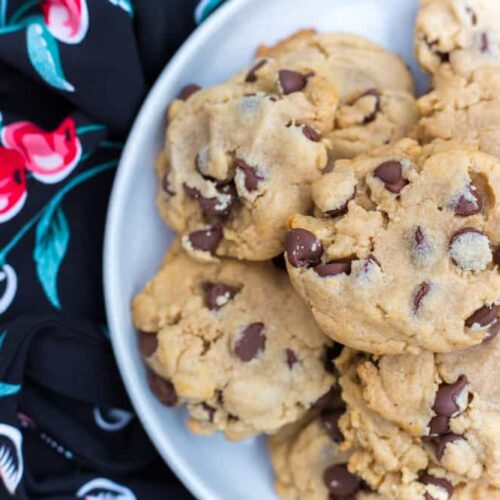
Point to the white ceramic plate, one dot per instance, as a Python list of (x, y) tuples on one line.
[(136, 238)]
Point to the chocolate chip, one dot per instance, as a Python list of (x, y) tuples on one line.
[(188, 91), (206, 240), (391, 174), (342, 210), (492, 331), (447, 402), (311, 134), (250, 174), (210, 411), (220, 207), (302, 248), (334, 268), (165, 185), (251, 341), (443, 441), (291, 81), (191, 192), (439, 425), (291, 358), (483, 316), (468, 203), (330, 420), (440, 482), (220, 397), (163, 389), (218, 295), (420, 292), (252, 74), (484, 43), (148, 343), (340, 482), (419, 237)]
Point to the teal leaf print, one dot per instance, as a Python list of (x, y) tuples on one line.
[(43, 52), (205, 8), (8, 389), (51, 244), (2, 338), (126, 5)]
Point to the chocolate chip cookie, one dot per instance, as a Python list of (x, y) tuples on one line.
[(464, 110), (402, 254), (239, 159), (461, 34), (426, 424), (374, 86), (233, 342)]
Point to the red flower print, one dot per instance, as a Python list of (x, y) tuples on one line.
[(67, 20), (12, 184), (51, 156)]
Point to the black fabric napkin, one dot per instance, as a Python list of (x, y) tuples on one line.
[(72, 76)]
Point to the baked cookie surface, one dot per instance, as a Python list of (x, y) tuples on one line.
[(402, 253), (239, 159), (461, 34), (233, 342), (440, 435)]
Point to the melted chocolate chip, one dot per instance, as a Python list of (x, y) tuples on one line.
[(343, 209), (218, 295), (496, 256), (252, 74), (291, 358), (220, 208), (444, 441), (311, 134), (391, 174), (148, 343), (440, 482), (483, 316), (447, 397), (340, 482), (251, 175), (191, 192), (469, 203), (331, 395), (330, 420), (291, 81), (206, 240), (333, 268), (439, 425), (419, 237), (420, 292), (188, 91), (163, 389), (302, 248), (251, 341)]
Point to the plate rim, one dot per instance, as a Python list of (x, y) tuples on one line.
[(214, 22)]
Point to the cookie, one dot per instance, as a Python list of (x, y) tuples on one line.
[(239, 159), (350, 63), (308, 460), (233, 342), (374, 86), (402, 253), (461, 34), (464, 110), (424, 424)]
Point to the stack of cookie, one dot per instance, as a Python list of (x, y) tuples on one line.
[(318, 206)]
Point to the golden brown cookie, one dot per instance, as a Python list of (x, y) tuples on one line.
[(402, 253), (233, 342)]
